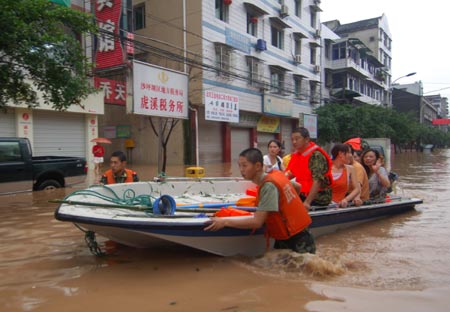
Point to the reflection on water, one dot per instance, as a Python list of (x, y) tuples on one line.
[(46, 265)]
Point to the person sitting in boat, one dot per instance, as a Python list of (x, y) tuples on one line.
[(378, 177), (272, 160), (344, 176), (278, 206), (361, 177), (118, 172), (311, 167)]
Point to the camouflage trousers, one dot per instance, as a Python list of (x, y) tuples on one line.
[(301, 242)]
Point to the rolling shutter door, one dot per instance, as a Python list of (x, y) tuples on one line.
[(59, 134), (240, 140), (7, 124), (263, 140), (286, 131), (209, 140)]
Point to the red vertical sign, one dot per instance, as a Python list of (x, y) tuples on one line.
[(115, 91), (109, 49)]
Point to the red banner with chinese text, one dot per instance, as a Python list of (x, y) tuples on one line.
[(115, 91), (109, 50)]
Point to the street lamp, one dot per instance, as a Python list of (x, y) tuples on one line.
[(408, 75)]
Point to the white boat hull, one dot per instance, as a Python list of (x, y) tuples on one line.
[(138, 229)]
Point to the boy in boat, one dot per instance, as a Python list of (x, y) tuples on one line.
[(278, 206), (118, 172)]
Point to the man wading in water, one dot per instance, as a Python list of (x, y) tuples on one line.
[(278, 205)]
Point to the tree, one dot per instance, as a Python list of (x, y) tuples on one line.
[(39, 51), (166, 125)]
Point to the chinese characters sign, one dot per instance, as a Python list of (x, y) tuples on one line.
[(268, 124), (159, 92), (115, 91), (221, 107), (109, 49)]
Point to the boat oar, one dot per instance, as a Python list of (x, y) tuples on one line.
[(245, 202)]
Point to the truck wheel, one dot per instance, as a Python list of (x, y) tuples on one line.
[(49, 185)]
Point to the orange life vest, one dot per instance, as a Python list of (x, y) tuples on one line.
[(110, 176), (299, 166), (340, 186), (291, 217)]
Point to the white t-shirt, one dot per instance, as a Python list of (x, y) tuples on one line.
[(268, 164)]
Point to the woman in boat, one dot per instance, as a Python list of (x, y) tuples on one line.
[(378, 177), (344, 177), (273, 160), (278, 206)]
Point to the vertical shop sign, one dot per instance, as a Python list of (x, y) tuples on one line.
[(109, 50)]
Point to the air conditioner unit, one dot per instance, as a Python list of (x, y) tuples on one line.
[(298, 58), (316, 68), (284, 11)]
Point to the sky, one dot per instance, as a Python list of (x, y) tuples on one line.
[(420, 33)]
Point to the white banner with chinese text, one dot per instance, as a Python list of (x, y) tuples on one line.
[(159, 91), (221, 107)]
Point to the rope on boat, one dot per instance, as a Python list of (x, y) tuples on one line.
[(91, 242)]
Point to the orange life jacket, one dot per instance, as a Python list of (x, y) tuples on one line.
[(110, 176), (299, 166), (291, 217), (340, 186)]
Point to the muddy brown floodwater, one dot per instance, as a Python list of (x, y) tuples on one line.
[(397, 264)]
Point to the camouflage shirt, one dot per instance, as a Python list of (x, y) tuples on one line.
[(319, 167)]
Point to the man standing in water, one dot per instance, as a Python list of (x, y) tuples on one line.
[(118, 172), (279, 206)]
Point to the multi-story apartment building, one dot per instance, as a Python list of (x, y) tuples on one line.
[(357, 61), (253, 66)]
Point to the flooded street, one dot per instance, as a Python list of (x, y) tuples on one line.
[(398, 264)]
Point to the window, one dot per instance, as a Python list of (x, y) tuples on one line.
[(298, 8), (277, 37), (313, 19), (221, 11), (139, 16), (327, 49), (223, 59), (338, 51), (276, 81), (254, 69), (298, 84), (314, 92), (313, 55), (298, 46), (252, 25), (10, 151)]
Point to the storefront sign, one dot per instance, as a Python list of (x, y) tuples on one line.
[(309, 121), (109, 50), (159, 91), (268, 124), (115, 91), (279, 106), (221, 107), (109, 132)]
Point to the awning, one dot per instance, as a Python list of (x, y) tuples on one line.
[(278, 68), (254, 9), (314, 44), (298, 35), (315, 8), (278, 22), (65, 3)]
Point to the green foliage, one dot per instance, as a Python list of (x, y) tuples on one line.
[(338, 122), (39, 52)]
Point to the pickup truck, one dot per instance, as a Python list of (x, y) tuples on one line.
[(21, 172)]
